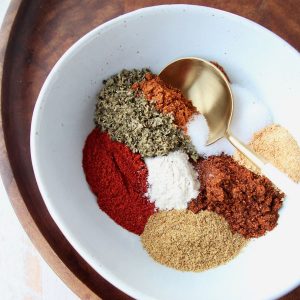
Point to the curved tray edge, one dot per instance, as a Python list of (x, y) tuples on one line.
[(24, 216)]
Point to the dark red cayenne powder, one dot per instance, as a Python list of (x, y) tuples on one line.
[(118, 178)]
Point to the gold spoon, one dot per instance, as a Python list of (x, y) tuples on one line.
[(209, 90)]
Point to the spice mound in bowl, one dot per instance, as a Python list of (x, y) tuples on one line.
[(149, 167), (191, 242)]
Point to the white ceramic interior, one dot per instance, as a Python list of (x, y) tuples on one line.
[(252, 56)]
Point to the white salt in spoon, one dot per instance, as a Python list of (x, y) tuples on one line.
[(209, 90)]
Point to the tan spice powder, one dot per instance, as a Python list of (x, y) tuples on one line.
[(186, 241), (277, 146)]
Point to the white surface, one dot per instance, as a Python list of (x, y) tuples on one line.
[(253, 58), (23, 273), (3, 7), (281, 180), (172, 181), (250, 114)]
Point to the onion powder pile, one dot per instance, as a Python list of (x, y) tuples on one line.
[(278, 146), (172, 181)]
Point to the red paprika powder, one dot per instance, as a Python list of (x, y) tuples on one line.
[(118, 178)]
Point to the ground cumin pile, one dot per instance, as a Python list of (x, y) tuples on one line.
[(190, 242), (277, 146), (167, 99), (249, 202)]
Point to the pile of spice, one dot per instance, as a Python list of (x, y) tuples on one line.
[(118, 178), (249, 202), (277, 146), (130, 119), (172, 181), (166, 99), (190, 242)]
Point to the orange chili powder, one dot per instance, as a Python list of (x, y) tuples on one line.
[(166, 99)]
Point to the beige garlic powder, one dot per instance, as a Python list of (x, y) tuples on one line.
[(277, 146)]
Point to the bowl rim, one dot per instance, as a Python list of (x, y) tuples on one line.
[(75, 48)]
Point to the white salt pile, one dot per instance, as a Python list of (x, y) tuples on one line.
[(249, 116), (172, 181), (198, 132)]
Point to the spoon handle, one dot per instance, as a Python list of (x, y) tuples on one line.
[(281, 180), (255, 158)]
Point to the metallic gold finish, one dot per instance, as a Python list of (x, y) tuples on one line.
[(209, 90), (255, 158)]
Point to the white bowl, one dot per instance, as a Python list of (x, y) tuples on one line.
[(252, 56)]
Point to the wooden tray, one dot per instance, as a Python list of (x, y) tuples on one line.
[(34, 36)]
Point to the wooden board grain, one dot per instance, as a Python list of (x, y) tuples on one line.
[(34, 36)]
